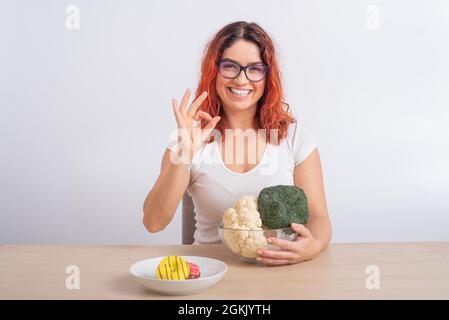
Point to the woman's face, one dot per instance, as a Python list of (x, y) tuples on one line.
[(244, 53)]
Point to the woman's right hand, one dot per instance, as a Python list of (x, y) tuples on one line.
[(189, 122)]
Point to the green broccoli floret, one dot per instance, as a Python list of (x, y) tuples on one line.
[(281, 205)]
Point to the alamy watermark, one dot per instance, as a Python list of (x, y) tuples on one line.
[(240, 147), (72, 17), (72, 282), (372, 18), (373, 280)]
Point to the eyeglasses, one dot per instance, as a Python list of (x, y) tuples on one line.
[(231, 70)]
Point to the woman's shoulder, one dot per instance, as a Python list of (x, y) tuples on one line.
[(300, 141), (295, 131)]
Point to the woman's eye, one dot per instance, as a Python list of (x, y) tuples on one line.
[(229, 66), (256, 69)]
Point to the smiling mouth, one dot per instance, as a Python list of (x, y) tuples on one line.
[(240, 93)]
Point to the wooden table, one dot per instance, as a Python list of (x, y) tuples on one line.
[(406, 270)]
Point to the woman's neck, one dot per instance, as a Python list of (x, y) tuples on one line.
[(242, 119)]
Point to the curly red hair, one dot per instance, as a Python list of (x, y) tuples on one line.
[(272, 112)]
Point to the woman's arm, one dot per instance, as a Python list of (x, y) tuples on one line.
[(163, 199), (161, 203), (316, 234), (309, 177)]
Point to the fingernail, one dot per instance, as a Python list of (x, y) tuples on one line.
[(270, 241), (259, 259), (259, 252)]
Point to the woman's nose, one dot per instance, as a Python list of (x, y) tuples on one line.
[(241, 80)]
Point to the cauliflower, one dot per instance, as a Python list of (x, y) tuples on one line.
[(247, 234)]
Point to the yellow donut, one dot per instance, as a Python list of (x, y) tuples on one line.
[(173, 268)]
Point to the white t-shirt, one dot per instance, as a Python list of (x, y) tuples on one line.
[(214, 187)]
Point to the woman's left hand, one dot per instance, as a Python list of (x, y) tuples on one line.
[(306, 247)]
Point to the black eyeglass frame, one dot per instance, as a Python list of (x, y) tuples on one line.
[(244, 69)]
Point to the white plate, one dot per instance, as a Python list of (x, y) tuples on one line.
[(212, 271)]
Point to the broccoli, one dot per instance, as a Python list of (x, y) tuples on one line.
[(281, 205)]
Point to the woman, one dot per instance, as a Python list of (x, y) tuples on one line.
[(239, 91)]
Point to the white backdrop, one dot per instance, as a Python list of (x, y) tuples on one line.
[(86, 113)]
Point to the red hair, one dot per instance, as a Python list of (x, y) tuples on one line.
[(272, 112)]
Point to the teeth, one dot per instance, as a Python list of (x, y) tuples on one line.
[(242, 93)]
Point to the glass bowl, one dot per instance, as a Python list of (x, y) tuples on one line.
[(244, 243)]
